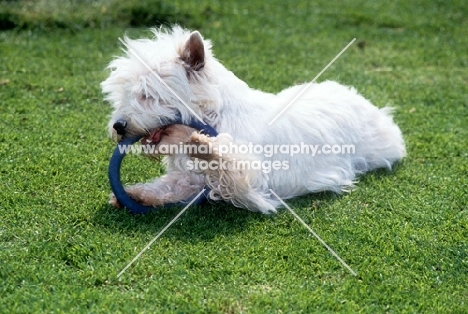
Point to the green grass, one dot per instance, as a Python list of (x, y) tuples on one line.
[(78, 14), (404, 232)]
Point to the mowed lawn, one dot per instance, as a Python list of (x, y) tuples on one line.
[(404, 232)]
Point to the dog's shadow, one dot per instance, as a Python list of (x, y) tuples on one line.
[(212, 219), (198, 223)]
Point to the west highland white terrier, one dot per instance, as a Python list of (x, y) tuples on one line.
[(326, 137)]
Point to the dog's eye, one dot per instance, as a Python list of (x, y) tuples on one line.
[(144, 97)]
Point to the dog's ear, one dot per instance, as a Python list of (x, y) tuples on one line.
[(194, 51)]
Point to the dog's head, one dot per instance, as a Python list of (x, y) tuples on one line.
[(157, 80)]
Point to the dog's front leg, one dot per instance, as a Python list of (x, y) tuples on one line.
[(242, 186), (173, 187)]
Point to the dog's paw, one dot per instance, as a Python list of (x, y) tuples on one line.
[(200, 139), (203, 144), (114, 202)]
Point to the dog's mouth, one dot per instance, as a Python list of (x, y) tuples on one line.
[(154, 136)]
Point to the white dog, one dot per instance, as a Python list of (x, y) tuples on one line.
[(300, 152)]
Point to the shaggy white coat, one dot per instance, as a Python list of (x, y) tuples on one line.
[(327, 113)]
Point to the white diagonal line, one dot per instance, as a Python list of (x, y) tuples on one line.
[(160, 233), (162, 81), (314, 234), (308, 85)]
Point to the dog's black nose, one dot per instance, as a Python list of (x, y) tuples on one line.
[(120, 126)]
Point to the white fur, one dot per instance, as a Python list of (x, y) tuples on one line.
[(327, 113)]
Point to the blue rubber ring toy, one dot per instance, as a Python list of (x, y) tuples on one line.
[(116, 162)]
